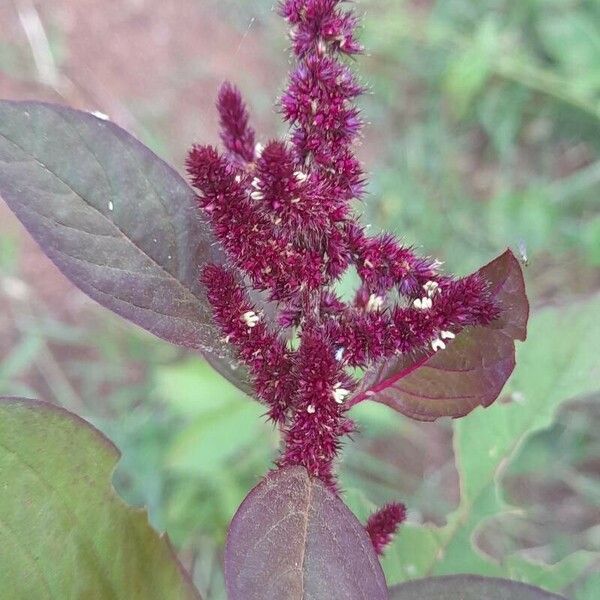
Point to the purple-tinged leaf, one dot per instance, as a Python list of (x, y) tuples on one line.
[(293, 539), (115, 219), (468, 587), (473, 369)]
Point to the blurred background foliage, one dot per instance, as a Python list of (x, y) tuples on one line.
[(484, 131)]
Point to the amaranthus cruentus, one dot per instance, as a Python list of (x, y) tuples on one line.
[(283, 214)]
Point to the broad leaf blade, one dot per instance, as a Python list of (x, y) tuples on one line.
[(560, 361), (293, 539), (63, 531), (114, 218), (471, 372), (468, 587)]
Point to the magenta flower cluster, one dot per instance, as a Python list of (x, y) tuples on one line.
[(282, 212)]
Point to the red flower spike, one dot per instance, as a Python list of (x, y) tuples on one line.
[(293, 200), (252, 242), (383, 525), (320, 26), (313, 438), (259, 348), (283, 216), (237, 136)]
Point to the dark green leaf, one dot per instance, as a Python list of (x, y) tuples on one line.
[(64, 533)]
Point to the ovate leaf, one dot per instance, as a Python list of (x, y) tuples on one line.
[(468, 587), (63, 531), (472, 371), (294, 539), (115, 219)]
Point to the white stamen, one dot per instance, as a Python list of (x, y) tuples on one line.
[(423, 303), (368, 264), (295, 200), (447, 335), (339, 354), (238, 178), (250, 318), (256, 183), (300, 176), (375, 303), (258, 150), (311, 409), (339, 393), (257, 195), (431, 287), (437, 344)]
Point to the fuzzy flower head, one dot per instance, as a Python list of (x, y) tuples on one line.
[(281, 210), (383, 525)]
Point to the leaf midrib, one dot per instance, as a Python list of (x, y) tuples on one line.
[(305, 535)]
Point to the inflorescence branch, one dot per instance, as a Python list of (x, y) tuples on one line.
[(282, 212)]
